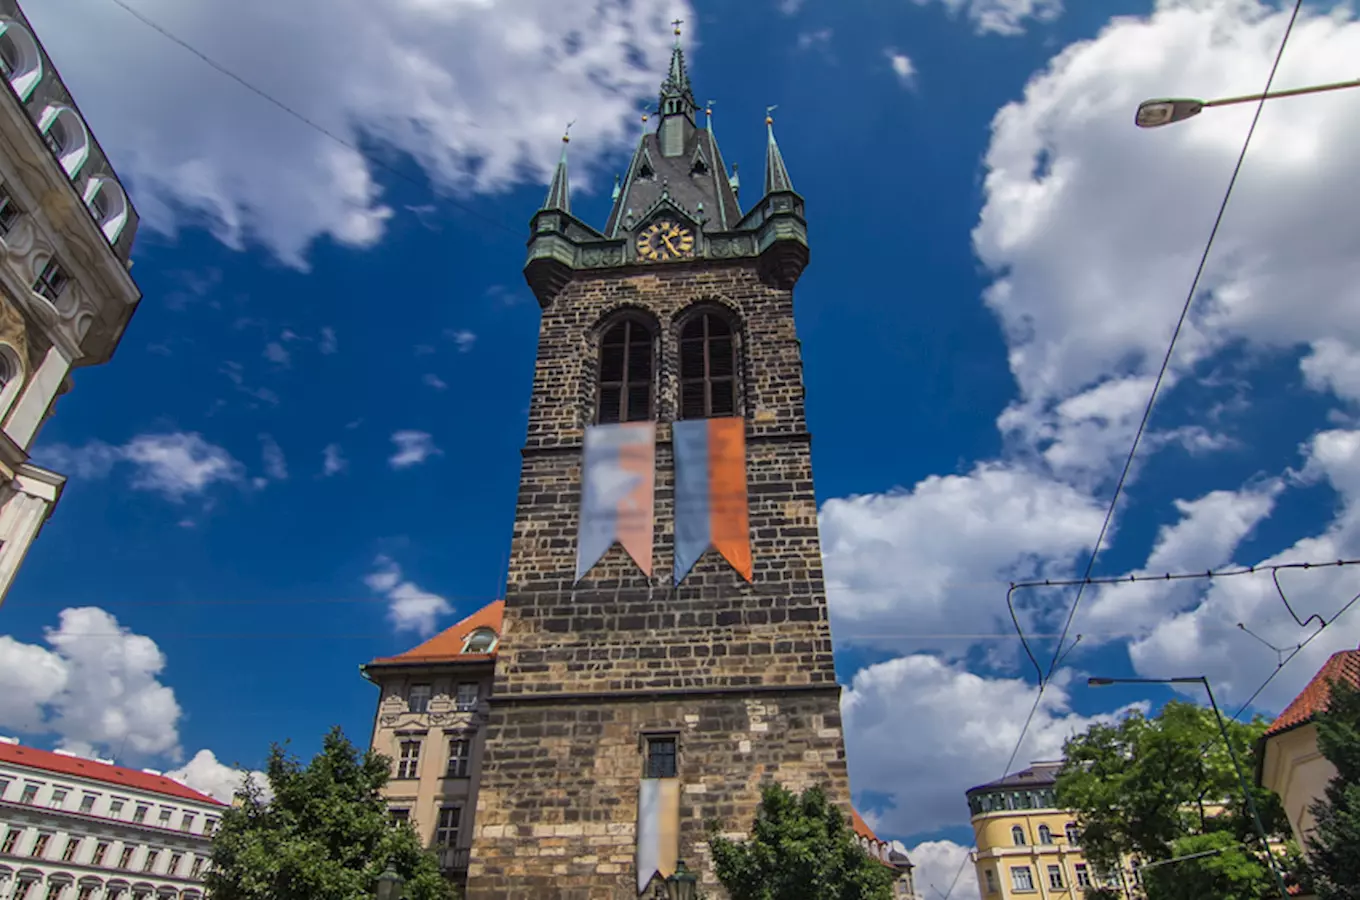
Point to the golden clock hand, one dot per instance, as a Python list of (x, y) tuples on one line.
[(666, 239)]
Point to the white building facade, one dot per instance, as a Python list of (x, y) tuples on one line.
[(66, 232), (73, 828)]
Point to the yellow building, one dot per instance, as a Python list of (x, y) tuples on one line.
[(1029, 848)]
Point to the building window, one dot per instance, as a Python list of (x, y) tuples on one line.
[(150, 862), (58, 797), (9, 211), (51, 280), (1073, 833), (101, 850), (86, 892), (1083, 877), (30, 793), (990, 877), (408, 765), (625, 377), (399, 816), (210, 826), (480, 641), (418, 698), (175, 860), (87, 803), (466, 697), (1055, 879), (1045, 835), (139, 814), (1018, 836), (446, 832), (195, 867), (125, 858), (708, 368), (40, 845), (660, 757), (11, 838), (1021, 879), (68, 852), (115, 808), (187, 822), (460, 755), (22, 892), (164, 819), (54, 889)]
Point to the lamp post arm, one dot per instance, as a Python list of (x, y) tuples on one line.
[(1246, 791), (1291, 92)]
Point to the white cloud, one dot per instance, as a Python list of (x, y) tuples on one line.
[(818, 38), (924, 731), (902, 67), (175, 465), (96, 687), (328, 343), (413, 448), (462, 338), (333, 460), (1333, 366), (409, 608), (789, 7), (1007, 17), (275, 353), (938, 864), (206, 774), (275, 465), (435, 381), (463, 90), (935, 559)]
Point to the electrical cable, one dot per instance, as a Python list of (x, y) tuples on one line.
[(424, 186)]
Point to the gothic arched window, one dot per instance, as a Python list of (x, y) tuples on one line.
[(708, 367), (625, 378)]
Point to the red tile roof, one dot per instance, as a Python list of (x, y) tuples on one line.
[(1342, 666), (447, 646), (77, 767)]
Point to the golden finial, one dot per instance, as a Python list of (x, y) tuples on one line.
[(676, 23), (566, 132), (769, 119)]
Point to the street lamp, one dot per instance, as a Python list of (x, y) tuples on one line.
[(1156, 113), (389, 884), (682, 883), (1237, 765)]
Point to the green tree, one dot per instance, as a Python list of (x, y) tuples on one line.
[(1144, 785), (1334, 846), (801, 848), (324, 835), (1231, 873)]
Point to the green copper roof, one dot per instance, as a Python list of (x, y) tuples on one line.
[(776, 174), (559, 192)]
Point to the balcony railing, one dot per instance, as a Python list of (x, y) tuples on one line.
[(453, 859)]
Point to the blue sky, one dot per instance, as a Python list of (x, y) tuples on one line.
[(305, 450)]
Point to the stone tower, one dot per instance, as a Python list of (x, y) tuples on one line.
[(665, 646)]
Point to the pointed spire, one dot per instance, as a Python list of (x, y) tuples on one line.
[(776, 175), (559, 192), (676, 88)]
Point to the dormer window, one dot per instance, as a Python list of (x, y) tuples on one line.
[(20, 62), (483, 640)]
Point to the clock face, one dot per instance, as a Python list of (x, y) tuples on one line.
[(664, 240)]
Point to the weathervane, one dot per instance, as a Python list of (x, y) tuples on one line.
[(769, 120), (566, 132)]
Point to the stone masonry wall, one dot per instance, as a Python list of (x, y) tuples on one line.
[(744, 672), (559, 822)]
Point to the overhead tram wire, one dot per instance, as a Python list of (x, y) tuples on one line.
[(260, 92), (1152, 398)]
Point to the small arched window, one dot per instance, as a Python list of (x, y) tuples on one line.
[(1018, 836), (708, 368), (625, 382), (483, 640), (20, 61), (108, 204), (65, 134), (1045, 835)]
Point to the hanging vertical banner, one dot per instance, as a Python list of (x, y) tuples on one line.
[(710, 493), (658, 829), (617, 477)]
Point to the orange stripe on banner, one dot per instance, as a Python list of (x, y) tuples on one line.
[(731, 528), (635, 522)]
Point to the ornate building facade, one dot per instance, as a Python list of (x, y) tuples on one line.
[(66, 231), (73, 828)]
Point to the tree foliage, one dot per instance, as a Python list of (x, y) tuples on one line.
[(1334, 846), (1149, 786), (801, 848), (324, 835), (1232, 873)]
